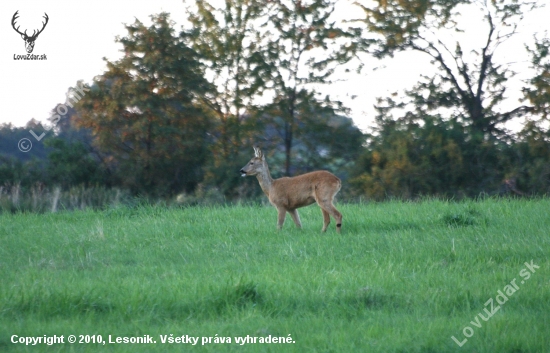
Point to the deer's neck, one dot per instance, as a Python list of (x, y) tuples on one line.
[(265, 180)]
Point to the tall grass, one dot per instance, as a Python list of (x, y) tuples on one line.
[(402, 277), (39, 199)]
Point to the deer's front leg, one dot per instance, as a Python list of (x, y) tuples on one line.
[(281, 217)]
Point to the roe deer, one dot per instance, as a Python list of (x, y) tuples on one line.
[(288, 194)]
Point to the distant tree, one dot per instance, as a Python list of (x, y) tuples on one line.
[(11, 135), (12, 170), (68, 129), (533, 166), (145, 110), (532, 146), (225, 37), (447, 134), (323, 139), (538, 90), (468, 86), (301, 45), (22, 168), (70, 164), (404, 159)]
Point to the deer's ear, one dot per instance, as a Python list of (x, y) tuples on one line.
[(258, 153)]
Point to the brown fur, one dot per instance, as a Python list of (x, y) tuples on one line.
[(289, 194)]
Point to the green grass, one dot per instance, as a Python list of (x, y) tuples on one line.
[(402, 277)]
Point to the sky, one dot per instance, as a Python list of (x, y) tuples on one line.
[(79, 34)]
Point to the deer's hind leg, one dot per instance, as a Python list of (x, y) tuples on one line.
[(295, 217), (324, 197), (326, 220), (328, 209)]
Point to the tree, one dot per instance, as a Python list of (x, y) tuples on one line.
[(71, 164), (145, 111), (538, 91), (406, 158), (225, 37), (301, 45), (461, 109), (531, 158), (74, 145), (323, 139), (10, 136), (470, 86), (532, 147)]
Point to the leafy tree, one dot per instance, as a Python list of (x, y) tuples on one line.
[(300, 45), (538, 91), (247, 61), (71, 164), (469, 86), (11, 135), (532, 147), (145, 111), (25, 174), (12, 170), (225, 37), (447, 135), (324, 139), (530, 165), (406, 158), (19, 168)]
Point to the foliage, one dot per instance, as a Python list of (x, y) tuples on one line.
[(299, 34), (11, 135), (469, 83), (18, 168), (225, 39), (322, 138), (179, 112), (532, 154), (408, 157), (538, 93), (252, 50), (72, 164), (144, 111), (447, 135)]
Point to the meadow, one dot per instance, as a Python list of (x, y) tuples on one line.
[(402, 277)]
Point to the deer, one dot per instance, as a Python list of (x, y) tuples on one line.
[(29, 40), (288, 194)]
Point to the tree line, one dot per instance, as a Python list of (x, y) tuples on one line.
[(181, 109)]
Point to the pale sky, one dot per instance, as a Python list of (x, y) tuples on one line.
[(80, 33)]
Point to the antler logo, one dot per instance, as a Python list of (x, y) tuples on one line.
[(29, 40)]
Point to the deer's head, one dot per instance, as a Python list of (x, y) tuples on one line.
[(256, 164), (29, 40)]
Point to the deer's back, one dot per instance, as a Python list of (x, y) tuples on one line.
[(302, 190)]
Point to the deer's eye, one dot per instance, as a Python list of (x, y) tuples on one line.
[(251, 163)]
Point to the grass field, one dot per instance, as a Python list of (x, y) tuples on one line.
[(402, 277)]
